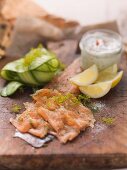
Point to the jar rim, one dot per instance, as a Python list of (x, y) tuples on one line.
[(82, 44)]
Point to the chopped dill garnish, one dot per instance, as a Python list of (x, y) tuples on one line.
[(31, 122), (20, 119), (108, 120), (86, 101), (61, 99), (16, 108), (84, 98), (33, 54), (48, 104), (27, 114), (75, 100)]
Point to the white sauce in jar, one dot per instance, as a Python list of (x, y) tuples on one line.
[(100, 47)]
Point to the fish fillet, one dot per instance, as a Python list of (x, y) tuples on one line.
[(55, 109)]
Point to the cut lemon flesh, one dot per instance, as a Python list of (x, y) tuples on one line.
[(96, 90), (108, 73), (111, 70), (114, 78), (87, 77)]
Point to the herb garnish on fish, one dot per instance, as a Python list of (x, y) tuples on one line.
[(63, 98), (66, 116)]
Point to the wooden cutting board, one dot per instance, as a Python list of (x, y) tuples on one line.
[(103, 146)]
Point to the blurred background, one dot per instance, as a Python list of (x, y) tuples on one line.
[(55, 20), (55, 13), (86, 11), (89, 12)]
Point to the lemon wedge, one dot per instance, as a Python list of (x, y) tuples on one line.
[(87, 77), (114, 78), (117, 79), (110, 70), (96, 90), (108, 73)]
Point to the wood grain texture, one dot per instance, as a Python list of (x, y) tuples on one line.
[(102, 146)]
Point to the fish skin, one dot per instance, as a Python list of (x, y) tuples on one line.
[(31, 122), (33, 140)]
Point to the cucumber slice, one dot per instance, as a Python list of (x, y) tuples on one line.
[(16, 66), (52, 69), (39, 61), (9, 75), (43, 67), (28, 78), (10, 88), (12, 75), (43, 77), (54, 63), (5, 75)]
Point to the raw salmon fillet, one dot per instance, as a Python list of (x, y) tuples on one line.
[(55, 109), (66, 115), (30, 121), (54, 113)]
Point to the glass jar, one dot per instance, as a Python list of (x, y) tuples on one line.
[(100, 47)]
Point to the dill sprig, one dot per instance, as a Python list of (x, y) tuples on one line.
[(16, 108), (84, 98), (86, 101), (61, 99), (108, 120), (20, 119), (33, 54), (31, 122)]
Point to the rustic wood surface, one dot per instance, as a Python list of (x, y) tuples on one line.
[(103, 146)]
